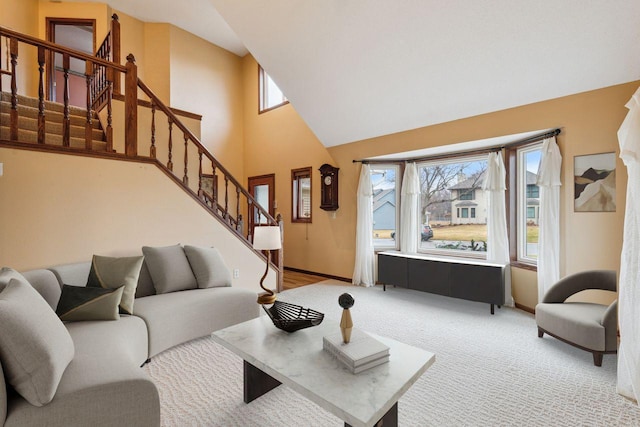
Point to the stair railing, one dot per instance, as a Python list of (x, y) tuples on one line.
[(109, 50), (46, 49)]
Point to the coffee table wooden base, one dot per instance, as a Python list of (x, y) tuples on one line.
[(257, 383)]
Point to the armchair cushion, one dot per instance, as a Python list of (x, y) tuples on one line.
[(576, 322)]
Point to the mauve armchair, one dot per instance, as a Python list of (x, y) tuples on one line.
[(589, 326)]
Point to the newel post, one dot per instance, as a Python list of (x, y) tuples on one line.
[(115, 50), (131, 107)]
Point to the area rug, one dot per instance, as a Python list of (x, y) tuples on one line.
[(489, 370)]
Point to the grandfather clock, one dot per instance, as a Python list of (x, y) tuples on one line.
[(329, 187)]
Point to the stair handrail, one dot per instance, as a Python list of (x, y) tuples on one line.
[(177, 122), (108, 50)]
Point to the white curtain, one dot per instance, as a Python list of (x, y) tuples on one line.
[(409, 197), (549, 220), (629, 283), (497, 239), (363, 272)]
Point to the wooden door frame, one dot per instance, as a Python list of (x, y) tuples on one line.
[(49, 58), (271, 208)]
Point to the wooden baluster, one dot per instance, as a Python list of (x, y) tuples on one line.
[(109, 147), (238, 203), (152, 150), (200, 191), (185, 178), (88, 126), (41, 117), (251, 215), (66, 121), (214, 187), (226, 197), (170, 163), (13, 131), (240, 225)]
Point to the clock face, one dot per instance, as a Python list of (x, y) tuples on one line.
[(327, 180)]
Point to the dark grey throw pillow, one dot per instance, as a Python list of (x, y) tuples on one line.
[(89, 303), (208, 267), (169, 268)]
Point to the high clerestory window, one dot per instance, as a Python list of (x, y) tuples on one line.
[(271, 97)]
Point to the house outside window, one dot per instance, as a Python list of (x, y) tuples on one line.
[(454, 205), (386, 205), (271, 97)]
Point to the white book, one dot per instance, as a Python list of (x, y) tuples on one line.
[(371, 364), (361, 349)]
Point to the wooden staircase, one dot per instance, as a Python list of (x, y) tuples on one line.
[(54, 118)]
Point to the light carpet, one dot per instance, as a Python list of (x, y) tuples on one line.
[(489, 370)]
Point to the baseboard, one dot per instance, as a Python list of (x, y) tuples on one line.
[(314, 273), (525, 308)]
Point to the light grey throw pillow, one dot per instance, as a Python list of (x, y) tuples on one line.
[(35, 347), (169, 268), (208, 266)]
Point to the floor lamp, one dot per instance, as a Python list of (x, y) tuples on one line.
[(266, 239)]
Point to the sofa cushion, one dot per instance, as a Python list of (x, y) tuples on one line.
[(35, 347), (111, 273), (6, 274), (46, 283), (78, 303), (103, 385), (169, 268), (182, 316), (208, 267)]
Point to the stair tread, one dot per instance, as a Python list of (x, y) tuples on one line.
[(31, 137), (29, 102)]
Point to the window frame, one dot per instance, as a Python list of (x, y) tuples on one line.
[(516, 210), (263, 93), (296, 206), (399, 171)]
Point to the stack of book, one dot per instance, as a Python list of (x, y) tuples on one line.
[(361, 353)]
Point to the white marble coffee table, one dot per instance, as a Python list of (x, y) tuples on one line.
[(273, 357)]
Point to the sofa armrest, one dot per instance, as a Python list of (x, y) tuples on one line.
[(569, 285), (610, 323)]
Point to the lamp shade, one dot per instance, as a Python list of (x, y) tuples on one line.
[(267, 238)]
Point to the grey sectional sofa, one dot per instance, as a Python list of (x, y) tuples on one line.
[(104, 384)]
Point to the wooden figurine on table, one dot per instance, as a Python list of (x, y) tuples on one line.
[(346, 301)]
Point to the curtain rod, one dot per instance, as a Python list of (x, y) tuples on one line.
[(524, 141)]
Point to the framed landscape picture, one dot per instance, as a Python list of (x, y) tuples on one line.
[(595, 183)]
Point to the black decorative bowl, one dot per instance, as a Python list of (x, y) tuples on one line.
[(291, 317)]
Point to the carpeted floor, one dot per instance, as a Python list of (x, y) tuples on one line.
[(489, 370)]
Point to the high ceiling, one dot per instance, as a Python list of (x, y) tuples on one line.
[(356, 69)]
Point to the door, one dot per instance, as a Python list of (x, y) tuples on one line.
[(262, 188), (77, 34)]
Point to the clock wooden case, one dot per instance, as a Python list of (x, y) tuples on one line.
[(329, 187)]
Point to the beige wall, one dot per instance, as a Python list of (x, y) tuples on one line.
[(60, 209), (278, 140), (18, 15), (217, 96)]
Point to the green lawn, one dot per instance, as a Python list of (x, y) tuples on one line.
[(477, 232)]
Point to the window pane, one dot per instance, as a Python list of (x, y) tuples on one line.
[(453, 206), (386, 201), (528, 203), (262, 197), (270, 94)]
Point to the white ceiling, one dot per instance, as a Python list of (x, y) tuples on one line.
[(356, 69)]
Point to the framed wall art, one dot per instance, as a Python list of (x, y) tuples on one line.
[(594, 183)]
